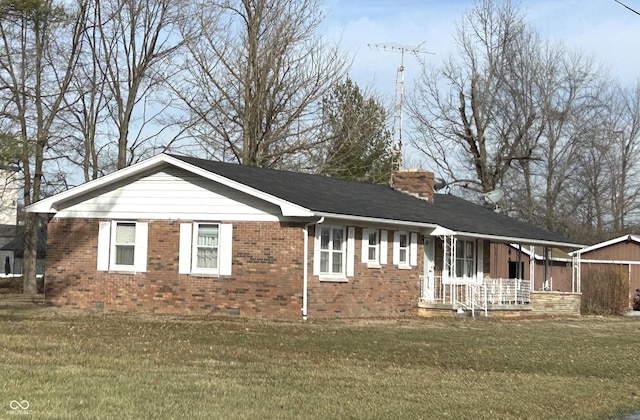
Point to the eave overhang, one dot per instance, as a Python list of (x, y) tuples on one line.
[(57, 202)]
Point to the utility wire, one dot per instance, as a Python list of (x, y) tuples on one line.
[(624, 5)]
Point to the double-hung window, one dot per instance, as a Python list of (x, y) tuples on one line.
[(332, 250), (405, 249), (122, 246), (125, 243), (205, 248), (465, 261), (374, 247), (205, 244)]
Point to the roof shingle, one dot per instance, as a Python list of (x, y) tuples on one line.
[(342, 197)]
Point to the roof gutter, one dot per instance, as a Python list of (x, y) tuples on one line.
[(375, 220), (305, 267), (523, 241)]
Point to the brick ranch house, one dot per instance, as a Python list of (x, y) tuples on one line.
[(176, 234)]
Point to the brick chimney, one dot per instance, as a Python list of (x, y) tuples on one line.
[(415, 182)]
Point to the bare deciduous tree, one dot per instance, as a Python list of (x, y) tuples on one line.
[(541, 122), (474, 115), (569, 89), (87, 111), (136, 39), (39, 48), (255, 77), (624, 157)]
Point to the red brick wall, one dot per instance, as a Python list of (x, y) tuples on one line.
[(261, 286), (371, 292), (266, 280)]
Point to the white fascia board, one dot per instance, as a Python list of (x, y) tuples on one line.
[(607, 243), (50, 204), (375, 220), (539, 256), (439, 230), (523, 241), (524, 251), (621, 262), (442, 231)]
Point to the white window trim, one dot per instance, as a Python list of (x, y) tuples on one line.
[(113, 265), (348, 251), (375, 263), (473, 260), (397, 248), (411, 250), (106, 258), (194, 254), (188, 245)]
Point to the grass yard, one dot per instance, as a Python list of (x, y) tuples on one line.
[(91, 365)]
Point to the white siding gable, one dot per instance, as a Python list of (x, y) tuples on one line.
[(173, 194)]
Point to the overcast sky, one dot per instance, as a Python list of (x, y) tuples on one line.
[(602, 28)]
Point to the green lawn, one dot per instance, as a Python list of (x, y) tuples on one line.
[(92, 365)]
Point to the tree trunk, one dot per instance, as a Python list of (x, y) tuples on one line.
[(29, 279)]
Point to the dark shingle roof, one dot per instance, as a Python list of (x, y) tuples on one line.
[(337, 196)]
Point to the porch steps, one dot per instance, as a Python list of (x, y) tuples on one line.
[(468, 313)]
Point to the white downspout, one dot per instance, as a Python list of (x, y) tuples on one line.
[(305, 268)]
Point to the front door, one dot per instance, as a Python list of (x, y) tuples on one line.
[(428, 285)]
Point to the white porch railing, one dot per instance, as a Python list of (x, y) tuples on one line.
[(479, 295), (508, 291)]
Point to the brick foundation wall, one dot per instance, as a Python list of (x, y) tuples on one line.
[(555, 303), (266, 280)]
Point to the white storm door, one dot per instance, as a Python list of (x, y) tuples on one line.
[(428, 285)]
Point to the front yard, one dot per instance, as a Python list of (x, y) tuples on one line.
[(91, 365)]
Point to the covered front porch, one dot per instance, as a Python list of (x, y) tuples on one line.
[(458, 278)]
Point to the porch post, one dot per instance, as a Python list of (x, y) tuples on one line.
[(448, 268), (532, 267), (480, 261), (445, 263), (575, 272)]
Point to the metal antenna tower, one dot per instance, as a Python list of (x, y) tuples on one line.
[(396, 133)]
